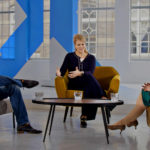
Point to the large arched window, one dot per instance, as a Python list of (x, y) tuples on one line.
[(140, 29), (96, 23)]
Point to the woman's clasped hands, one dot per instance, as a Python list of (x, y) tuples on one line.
[(72, 74), (146, 87), (76, 73)]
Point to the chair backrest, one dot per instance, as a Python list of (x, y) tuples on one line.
[(104, 75)]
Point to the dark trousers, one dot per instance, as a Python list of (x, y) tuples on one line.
[(11, 88), (92, 90)]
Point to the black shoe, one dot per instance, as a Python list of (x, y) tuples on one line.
[(27, 128), (83, 123), (29, 83)]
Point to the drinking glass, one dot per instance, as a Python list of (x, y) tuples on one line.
[(114, 97), (39, 95), (78, 95)]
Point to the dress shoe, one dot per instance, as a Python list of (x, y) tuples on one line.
[(133, 123), (29, 83), (83, 123), (27, 128), (116, 127)]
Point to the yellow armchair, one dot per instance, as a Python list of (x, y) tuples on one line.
[(109, 79), (107, 76)]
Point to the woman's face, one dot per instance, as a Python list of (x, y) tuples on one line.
[(80, 46)]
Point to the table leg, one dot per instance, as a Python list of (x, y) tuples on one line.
[(66, 112), (49, 115), (71, 111), (107, 113), (105, 124), (52, 119)]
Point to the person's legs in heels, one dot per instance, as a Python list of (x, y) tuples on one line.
[(131, 118)]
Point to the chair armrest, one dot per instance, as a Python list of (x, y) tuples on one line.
[(61, 87), (114, 85)]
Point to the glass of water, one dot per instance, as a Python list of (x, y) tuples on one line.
[(39, 95), (114, 97), (78, 95)]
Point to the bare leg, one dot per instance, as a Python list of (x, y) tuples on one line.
[(134, 113)]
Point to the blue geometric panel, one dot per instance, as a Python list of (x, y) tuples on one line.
[(26, 38), (8, 49), (64, 22)]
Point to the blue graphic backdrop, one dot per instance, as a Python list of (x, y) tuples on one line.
[(28, 37), (64, 22)]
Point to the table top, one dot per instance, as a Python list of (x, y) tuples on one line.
[(72, 102)]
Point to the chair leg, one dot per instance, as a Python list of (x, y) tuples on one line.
[(13, 117), (71, 111), (66, 111)]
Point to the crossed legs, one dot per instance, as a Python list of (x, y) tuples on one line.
[(13, 91), (131, 118), (134, 113)]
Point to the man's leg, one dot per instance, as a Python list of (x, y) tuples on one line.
[(18, 104), (5, 81), (13, 91)]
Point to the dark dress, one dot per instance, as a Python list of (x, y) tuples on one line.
[(86, 82)]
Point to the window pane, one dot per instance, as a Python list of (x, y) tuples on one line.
[(85, 14), (140, 26), (93, 15), (7, 47), (133, 50), (144, 49)]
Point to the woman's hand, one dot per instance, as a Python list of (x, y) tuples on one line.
[(76, 73), (146, 87), (58, 73)]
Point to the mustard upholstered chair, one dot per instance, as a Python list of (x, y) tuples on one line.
[(107, 76)]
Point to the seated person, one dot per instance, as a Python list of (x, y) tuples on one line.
[(11, 88), (81, 65), (131, 118)]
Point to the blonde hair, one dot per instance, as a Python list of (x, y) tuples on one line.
[(79, 37)]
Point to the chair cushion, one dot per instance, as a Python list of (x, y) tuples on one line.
[(5, 106)]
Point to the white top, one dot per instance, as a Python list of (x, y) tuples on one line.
[(81, 59)]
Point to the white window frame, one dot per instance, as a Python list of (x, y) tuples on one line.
[(138, 55)]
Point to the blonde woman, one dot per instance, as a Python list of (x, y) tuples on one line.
[(81, 65)]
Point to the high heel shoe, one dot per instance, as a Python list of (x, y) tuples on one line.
[(83, 123), (116, 127), (133, 123)]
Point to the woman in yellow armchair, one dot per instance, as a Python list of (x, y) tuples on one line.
[(131, 118), (81, 65)]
